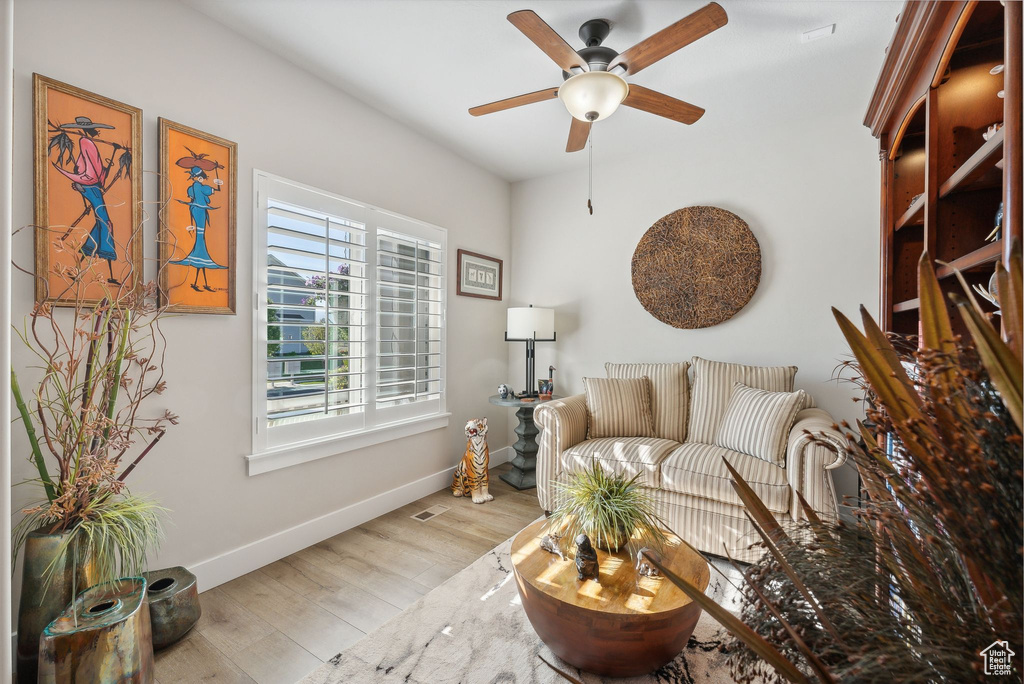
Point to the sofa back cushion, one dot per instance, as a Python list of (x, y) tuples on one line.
[(618, 407), (712, 388), (670, 394), (757, 422)]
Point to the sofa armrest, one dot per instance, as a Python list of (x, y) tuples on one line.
[(816, 446), (563, 424)]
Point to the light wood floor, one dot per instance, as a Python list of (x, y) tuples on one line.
[(277, 624)]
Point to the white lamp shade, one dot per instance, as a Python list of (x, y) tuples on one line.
[(530, 323), (597, 93)]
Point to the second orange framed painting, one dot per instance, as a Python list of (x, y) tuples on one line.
[(198, 178)]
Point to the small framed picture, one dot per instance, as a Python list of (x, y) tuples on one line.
[(479, 276)]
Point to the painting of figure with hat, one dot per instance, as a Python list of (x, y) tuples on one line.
[(88, 194), (199, 208), (197, 220), (88, 178)]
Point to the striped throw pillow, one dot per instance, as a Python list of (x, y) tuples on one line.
[(670, 394), (618, 407), (712, 388), (757, 422)]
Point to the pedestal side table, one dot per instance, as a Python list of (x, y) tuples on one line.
[(524, 466)]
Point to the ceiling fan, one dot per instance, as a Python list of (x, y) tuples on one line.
[(594, 84)]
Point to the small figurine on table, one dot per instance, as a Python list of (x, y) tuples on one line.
[(645, 569), (547, 387), (586, 560), (551, 542)]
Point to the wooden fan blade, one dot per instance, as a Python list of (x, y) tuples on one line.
[(661, 104), (517, 101), (544, 37), (579, 131), (671, 38)]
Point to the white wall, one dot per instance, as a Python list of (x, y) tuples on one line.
[(6, 138), (174, 62), (803, 176)]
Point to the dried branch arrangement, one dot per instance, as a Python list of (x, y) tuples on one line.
[(101, 363), (930, 573)]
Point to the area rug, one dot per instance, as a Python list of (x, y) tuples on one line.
[(472, 630)]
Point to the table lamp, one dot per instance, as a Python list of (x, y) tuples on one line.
[(531, 325)]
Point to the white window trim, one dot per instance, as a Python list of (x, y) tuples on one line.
[(322, 442)]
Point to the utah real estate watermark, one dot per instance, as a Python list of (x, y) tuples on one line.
[(998, 658)]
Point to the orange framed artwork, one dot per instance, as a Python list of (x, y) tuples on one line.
[(197, 220), (88, 194)]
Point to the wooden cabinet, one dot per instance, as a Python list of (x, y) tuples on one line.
[(952, 70)]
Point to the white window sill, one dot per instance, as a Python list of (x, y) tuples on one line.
[(303, 452)]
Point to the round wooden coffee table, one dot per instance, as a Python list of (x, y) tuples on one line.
[(625, 626)]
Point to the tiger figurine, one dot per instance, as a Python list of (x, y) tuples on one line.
[(471, 474)]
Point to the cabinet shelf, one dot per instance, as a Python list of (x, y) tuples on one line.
[(979, 257), (914, 215), (909, 305), (936, 80), (972, 172)]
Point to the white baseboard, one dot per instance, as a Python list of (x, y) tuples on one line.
[(502, 455), (244, 559)]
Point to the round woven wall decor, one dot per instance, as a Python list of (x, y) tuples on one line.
[(696, 267)]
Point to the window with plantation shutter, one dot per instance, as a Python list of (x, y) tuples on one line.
[(350, 325), (410, 287), (316, 315)]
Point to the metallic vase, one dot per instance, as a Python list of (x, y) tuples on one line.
[(44, 596), (173, 604), (104, 636)]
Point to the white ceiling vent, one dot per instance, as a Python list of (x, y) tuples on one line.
[(815, 34)]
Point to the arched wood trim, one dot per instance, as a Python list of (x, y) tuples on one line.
[(898, 138), (954, 40)]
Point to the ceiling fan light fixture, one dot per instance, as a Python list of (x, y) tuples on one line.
[(593, 95)]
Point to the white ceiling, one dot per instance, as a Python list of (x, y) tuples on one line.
[(425, 62)]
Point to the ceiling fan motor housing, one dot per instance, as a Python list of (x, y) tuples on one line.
[(593, 33)]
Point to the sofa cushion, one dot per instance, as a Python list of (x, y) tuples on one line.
[(712, 388), (757, 422), (619, 407), (698, 470), (670, 394), (621, 455)]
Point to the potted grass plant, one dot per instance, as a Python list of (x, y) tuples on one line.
[(930, 574), (99, 364), (611, 509)]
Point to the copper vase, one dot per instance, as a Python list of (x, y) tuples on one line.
[(173, 604), (45, 595), (103, 636)]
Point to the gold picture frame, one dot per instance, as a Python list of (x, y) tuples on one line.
[(88, 195), (198, 215)]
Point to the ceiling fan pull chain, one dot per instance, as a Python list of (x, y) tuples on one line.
[(590, 182)]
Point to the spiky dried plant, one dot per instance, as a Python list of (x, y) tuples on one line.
[(930, 572), (100, 364)]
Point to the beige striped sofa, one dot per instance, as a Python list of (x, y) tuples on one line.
[(681, 465)]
